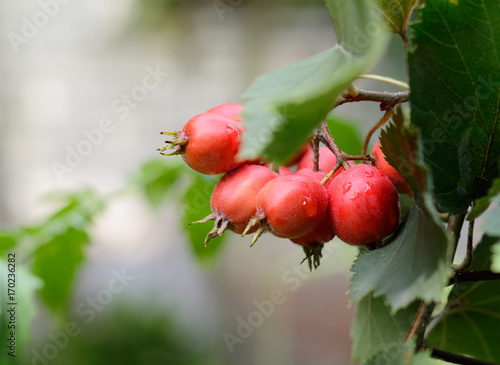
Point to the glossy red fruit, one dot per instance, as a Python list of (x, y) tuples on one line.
[(285, 171), (323, 232), (398, 180), (364, 205), (208, 143), (234, 197), (293, 205), (228, 110)]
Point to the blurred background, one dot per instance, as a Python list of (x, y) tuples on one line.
[(131, 69)]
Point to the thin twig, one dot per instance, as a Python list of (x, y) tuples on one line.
[(387, 100), (420, 323), (456, 359), (455, 223), (379, 124), (472, 276), (464, 266)]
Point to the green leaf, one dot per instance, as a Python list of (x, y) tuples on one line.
[(56, 263), (347, 134), (414, 264), (78, 211), (470, 323), (403, 355), (396, 14), (156, 178), (196, 206), (284, 106), (376, 329), (455, 97), (24, 309), (483, 203), (495, 259)]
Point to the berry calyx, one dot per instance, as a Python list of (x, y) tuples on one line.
[(398, 181), (208, 143), (290, 206), (234, 197), (364, 205)]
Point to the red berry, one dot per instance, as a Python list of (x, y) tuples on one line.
[(235, 195), (228, 110), (208, 143), (384, 166), (233, 201), (292, 205), (285, 171), (364, 205), (323, 232)]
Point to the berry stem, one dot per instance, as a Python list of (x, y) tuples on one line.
[(328, 140), (464, 266), (387, 100), (314, 142), (455, 223), (387, 115)]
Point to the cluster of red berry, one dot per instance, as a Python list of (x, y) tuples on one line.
[(360, 204)]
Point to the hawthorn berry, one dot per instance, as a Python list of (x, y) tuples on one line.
[(208, 143), (291, 206), (233, 200), (323, 232), (384, 166), (364, 205)]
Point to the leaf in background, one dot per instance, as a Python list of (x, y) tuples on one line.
[(56, 263), (403, 355), (483, 203), (413, 265), (284, 106), (495, 258), (156, 177), (58, 243), (455, 97), (26, 286), (78, 212), (471, 320), (196, 206), (376, 329), (346, 134), (396, 14)]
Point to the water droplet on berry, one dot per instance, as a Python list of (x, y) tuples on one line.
[(346, 187), (310, 206), (369, 173), (369, 189), (356, 195)]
